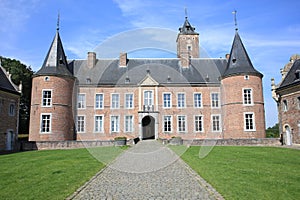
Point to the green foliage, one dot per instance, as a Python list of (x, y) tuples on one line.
[(273, 132), (20, 74), (49, 174), (249, 172)]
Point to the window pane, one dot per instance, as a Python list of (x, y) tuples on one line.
[(181, 100), (81, 101), (181, 123), (129, 100), (167, 100), (215, 100), (198, 123), (47, 98), (216, 123), (115, 100), (98, 123), (197, 100), (167, 124), (247, 96), (99, 101), (45, 123), (129, 123)]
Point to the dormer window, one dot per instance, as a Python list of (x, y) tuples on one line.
[(234, 60), (297, 74)]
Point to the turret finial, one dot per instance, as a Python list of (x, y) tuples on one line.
[(58, 18), (235, 20), (185, 12)]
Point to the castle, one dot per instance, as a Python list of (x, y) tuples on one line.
[(187, 96)]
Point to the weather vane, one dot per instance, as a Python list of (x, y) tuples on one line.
[(185, 11), (57, 25), (235, 21)]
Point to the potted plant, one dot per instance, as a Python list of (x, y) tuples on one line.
[(120, 141)]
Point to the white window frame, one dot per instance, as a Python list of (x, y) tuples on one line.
[(202, 124), (129, 128), (285, 106), (298, 103), (167, 101), (213, 101), (117, 126), (84, 125), (101, 102), (171, 121), (101, 125), (253, 121), (115, 104), (246, 97), (180, 101), (185, 124), (197, 102), (12, 109), (50, 123), (219, 123), (48, 100), (83, 103), (149, 101), (129, 104)]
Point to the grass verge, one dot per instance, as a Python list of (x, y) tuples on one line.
[(49, 174), (249, 172)]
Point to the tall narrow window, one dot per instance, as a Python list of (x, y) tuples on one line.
[(247, 96), (98, 124), (81, 101), (167, 100), (285, 105), (181, 123), (215, 100), (11, 110), (114, 124), (167, 123), (45, 123), (148, 98), (249, 122), (216, 124), (80, 124), (198, 123), (99, 101), (115, 101), (298, 102), (180, 100), (47, 98), (128, 101), (128, 123), (197, 100)]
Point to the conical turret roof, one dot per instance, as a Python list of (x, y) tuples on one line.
[(239, 61), (55, 62), (187, 28)]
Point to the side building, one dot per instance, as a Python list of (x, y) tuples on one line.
[(9, 112), (148, 98), (287, 96)]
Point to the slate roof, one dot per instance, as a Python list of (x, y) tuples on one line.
[(291, 79), (5, 83), (55, 62), (239, 61), (187, 28), (164, 71)]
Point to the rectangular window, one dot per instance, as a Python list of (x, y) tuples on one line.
[(285, 105), (128, 101), (167, 123), (128, 123), (181, 123), (198, 123), (148, 98), (216, 123), (167, 100), (180, 100), (247, 96), (81, 101), (80, 124), (12, 109), (215, 100), (298, 102), (46, 123), (115, 101), (98, 123), (47, 98), (249, 122), (197, 100), (114, 124), (99, 104)]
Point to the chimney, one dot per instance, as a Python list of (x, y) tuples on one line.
[(123, 60), (91, 60)]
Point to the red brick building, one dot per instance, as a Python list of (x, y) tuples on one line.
[(9, 112), (187, 96), (287, 96)]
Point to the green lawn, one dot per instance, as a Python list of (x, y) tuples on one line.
[(50, 174), (249, 172)]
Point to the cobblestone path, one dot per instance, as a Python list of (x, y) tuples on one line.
[(149, 170)]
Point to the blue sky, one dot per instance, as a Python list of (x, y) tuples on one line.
[(270, 30)]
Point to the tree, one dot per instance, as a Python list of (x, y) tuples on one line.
[(20, 73), (273, 132)]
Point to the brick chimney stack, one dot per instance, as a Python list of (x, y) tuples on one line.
[(91, 60), (123, 60)]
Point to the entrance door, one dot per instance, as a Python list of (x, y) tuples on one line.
[(288, 136), (9, 140), (148, 124)]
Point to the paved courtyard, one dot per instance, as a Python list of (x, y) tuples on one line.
[(149, 170)]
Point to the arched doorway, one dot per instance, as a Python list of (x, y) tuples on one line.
[(288, 135), (148, 125)]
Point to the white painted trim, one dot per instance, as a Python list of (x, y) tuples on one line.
[(50, 124)]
